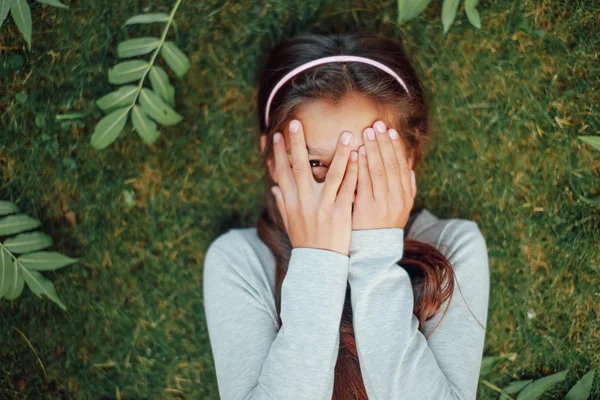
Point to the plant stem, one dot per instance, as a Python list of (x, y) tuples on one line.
[(496, 388), (155, 54)]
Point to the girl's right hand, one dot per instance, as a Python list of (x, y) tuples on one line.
[(317, 215)]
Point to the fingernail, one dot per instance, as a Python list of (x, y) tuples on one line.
[(380, 126), (363, 151), (370, 133), (353, 155), (276, 137), (294, 126), (393, 134), (346, 137)]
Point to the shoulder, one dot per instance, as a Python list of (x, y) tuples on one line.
[(241, 253), (460, 240)]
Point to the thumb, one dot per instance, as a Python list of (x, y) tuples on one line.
[(413, 183), (280, 204)]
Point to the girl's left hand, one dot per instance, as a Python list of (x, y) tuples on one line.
[(386, 184)]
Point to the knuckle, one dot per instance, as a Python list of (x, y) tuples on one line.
[(378, 172), (334, 176), (298, 168), (392, 165)]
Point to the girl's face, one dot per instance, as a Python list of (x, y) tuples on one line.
[(324, 121)]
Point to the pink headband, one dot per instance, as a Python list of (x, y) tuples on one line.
[(326, 60)]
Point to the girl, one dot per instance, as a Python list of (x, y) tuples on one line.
[(340, 292)]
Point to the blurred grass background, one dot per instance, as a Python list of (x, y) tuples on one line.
[(507, 104)]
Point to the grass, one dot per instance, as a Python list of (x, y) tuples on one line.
[(508, 103)]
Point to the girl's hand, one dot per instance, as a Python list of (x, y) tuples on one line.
[(317, 215), (386, 185)]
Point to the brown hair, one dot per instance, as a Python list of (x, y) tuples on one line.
[(431, 274)]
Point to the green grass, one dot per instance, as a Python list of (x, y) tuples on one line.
[(507, 105)]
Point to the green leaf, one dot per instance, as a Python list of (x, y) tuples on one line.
[(18, 285), (594, 201), (17, 224), (144, 126), (45, 261), (157, 109), (515, 387), (8, 207), (4, 9), (472, 13), (127, 71), (488, 363), (582, 389), (175, 58), (160, 83), (21, 14), (593, 141), (119, 98), (148, 18), (53, 3), (137, 47), (7, 274), (109, 128), (538, 387), (28, 242), (410, 9), (41, 286), (449, 8)]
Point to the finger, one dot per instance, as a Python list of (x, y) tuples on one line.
[(337, 169), (280, 204), (376, 169), (348, 187), (400, 150), (283, 171), (388, 156), (300, 162), (413, 183), (365, 189)]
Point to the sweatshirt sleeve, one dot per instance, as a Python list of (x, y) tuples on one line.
[(396, 359), (255, 360)]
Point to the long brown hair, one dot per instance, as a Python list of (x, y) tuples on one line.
[(431, 274)]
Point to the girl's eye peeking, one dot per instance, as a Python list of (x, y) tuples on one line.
[(313, 162)]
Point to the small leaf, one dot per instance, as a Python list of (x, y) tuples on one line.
[(175, 58), (109, 128), (17, 224), (147, 18), (410, 9), (127, 71), (4, 9), (144, 126), (582, 389), (18, 284), (8, 207), (515, 387), (593, 141), (137, 47), (7, 274), (53, 3), (45, 261), (160, 83), (594, 201), (538, 387), (449, 13), (472, 13), (119, 98), (41, 286), (488, 363), (28, 242), (157, 109), (21, 14)]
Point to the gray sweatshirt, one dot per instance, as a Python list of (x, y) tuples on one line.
[(256, 360)]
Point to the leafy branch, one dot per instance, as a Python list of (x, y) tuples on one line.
[(16, 270), (156, 104), (21, 14), (410, 9)]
